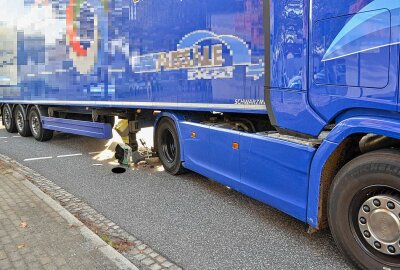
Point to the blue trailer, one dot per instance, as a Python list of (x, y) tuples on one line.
[(293, 103)]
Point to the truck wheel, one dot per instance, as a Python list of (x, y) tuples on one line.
[(35, 123), (364, 210), (8, 120), (21, 122), (168, 147)]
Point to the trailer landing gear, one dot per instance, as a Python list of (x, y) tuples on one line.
[(128, 129), (133, 129)]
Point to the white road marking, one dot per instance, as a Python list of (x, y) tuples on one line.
[(17, 136), (38, 158), (71, 155), (62, 156), (94, 153), (3, 137)]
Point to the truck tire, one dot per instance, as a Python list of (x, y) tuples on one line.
[(168, 147), (21, 121), (8, 119), (35, 123), (364, 209)]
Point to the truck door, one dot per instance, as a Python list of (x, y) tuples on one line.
[(353, 62)]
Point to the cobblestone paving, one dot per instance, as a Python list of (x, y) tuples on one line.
[(142, 255), (34, 236)]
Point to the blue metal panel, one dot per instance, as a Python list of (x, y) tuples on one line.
[(260, 168), (223, 158), (194, 155), (294, 113), (200, 55), (276, 172), (365, 124), (352, 60), (84, 128), (289, 68), (289, 44), (354, 55), (210, 152)]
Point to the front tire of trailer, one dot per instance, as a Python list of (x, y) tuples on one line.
[(35, 123), (7, 119), (22, 122), (364, 208), (168, 147)]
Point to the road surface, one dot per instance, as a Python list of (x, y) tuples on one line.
[(195, 222)]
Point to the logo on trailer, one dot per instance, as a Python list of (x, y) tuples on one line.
[(202, 61)]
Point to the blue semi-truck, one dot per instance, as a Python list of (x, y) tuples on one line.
[(292, 102)]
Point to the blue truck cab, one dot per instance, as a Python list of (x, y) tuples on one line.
[(291, 102)]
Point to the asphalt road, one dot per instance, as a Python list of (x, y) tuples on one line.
[(193, 221)]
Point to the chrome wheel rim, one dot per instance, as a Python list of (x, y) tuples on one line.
[(20, 120), (379, 223), (35, 124), (7, 118)]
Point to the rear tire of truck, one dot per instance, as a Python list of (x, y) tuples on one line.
[(168, 147), (7, 119), (35, 123), (364, 209), (21, 122)]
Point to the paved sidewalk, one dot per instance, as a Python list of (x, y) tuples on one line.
[(37, 233)]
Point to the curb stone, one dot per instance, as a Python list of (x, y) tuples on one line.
[(120, 261), (80, 214)]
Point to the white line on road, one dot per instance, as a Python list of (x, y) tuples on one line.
[(94, 153), (71, 155), (38, 158), (3, 137), (17, 136)]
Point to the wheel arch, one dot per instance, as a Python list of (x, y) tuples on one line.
[(341, 146), (176, 118)]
